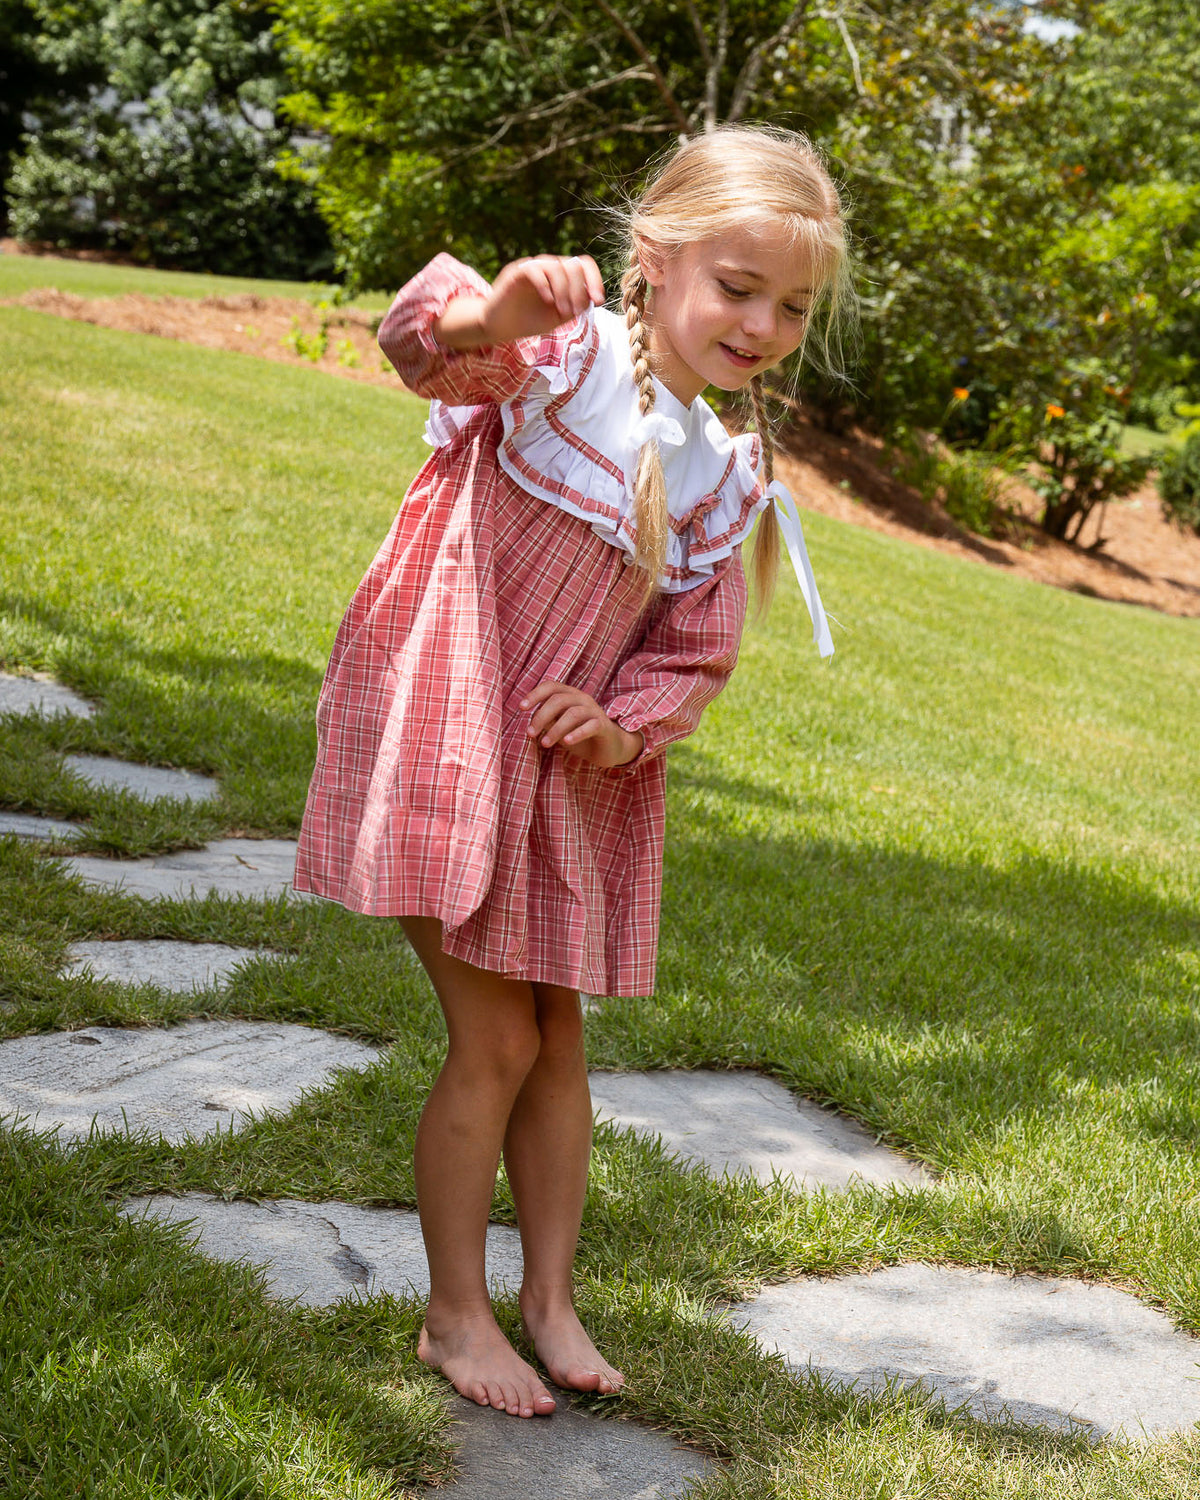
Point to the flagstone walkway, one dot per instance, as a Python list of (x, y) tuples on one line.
[(1048, 1351)]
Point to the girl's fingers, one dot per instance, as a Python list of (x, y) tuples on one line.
[(588, 729), (559, 271), (550, 719), (540, 281), (592, 278), (549, 711), (569, 720)]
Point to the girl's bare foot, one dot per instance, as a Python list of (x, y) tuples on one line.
[(563, 1346), (482, 1365)]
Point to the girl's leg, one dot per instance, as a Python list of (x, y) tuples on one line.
[(546, 1151), (494, 1041)]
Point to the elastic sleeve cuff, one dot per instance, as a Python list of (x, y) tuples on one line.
[(432, 344), (651, 745), (421, 301)]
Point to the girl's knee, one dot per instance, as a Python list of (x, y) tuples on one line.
[(560, 1024), (504, 1051)]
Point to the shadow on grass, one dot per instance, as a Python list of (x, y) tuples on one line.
[(894, 982), (130, 1360), (247, 717)]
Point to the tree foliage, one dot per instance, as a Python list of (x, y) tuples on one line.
[(26, 81), (169, 153)]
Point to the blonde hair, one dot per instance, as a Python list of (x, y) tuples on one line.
[(734, 177)]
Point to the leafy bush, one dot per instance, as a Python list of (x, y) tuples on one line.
[(966, 483), (160, 139), (1075, 442), (1179, 480)]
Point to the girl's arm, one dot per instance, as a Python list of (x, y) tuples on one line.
[(453, 337), (682, 663)]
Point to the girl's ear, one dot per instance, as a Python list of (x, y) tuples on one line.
[(652, 260)]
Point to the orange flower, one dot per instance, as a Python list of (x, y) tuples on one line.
[(1055, 411), (961, 392)]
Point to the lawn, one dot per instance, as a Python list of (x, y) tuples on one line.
[(24, 273), (946, 882)]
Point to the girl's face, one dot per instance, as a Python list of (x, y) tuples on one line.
[(725, 309)]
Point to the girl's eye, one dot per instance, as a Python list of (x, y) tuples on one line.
[(732, 291), (796, 312)]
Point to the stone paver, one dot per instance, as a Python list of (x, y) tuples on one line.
[(743, 1122), (1052, 1352), (568, 1456), (257, 868), (38, 695), (144, 781), (172, 966), (35, 826), (320, 1252), (178, 1082)]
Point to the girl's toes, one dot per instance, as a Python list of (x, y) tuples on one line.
[(544, 1403)]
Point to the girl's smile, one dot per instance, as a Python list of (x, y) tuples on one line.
[(725, 309)]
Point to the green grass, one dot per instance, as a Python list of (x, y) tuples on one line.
[(1137, 441), (947, 883), (24, 273)]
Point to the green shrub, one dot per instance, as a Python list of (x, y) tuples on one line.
[(966, 482), (1179, 483)]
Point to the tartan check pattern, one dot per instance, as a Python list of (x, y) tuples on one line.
[(429, 798)]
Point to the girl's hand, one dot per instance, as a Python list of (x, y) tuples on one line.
[(529, 297), (565, 715)]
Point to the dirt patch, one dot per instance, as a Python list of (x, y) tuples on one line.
[(338, 341), (1144, 559)]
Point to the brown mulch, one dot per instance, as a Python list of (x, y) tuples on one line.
[(245, 323), (1143, 560)]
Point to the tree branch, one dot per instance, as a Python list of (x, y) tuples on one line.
[(682, 124), (555, 106), (555, 145), (853, 51), (747, 79)]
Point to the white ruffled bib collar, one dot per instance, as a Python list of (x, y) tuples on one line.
[(572, 437)]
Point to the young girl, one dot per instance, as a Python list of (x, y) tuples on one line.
[(558, 599)]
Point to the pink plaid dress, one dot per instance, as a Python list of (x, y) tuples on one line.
[(429, 798)]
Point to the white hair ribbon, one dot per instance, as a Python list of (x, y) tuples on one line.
[(656, 424), (793, 536)]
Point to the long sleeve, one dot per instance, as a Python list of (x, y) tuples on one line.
[(458, 377), (681, 664)]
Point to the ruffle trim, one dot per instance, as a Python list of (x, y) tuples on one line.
[(572, 435)]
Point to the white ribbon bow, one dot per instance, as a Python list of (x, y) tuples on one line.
[(793, 536), (445, 422), (656, 424)]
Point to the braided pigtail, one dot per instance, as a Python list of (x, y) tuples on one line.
[(765, 561), (650, 487)]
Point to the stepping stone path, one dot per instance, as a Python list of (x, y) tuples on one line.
[(568, 1456), (35, 826), (745, 1123), (258, 868), (37, 695), (179, 1082), (143, 781), (179, 967), (1053, 1352), (321, 1252)]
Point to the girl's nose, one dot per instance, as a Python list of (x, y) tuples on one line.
[(760, 319)]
